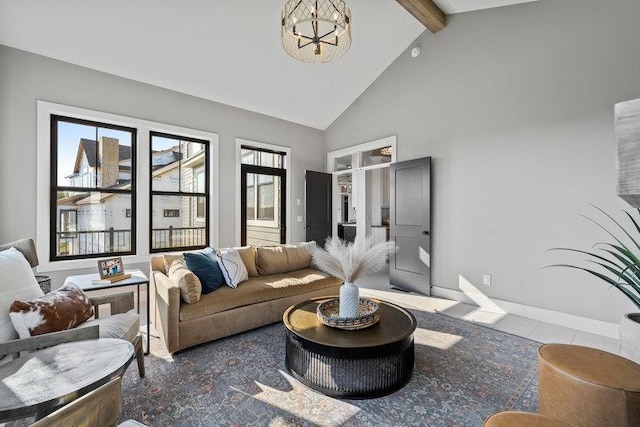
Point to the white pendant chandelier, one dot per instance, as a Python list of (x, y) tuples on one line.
[(316, 29)]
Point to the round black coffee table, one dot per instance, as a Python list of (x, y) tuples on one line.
[(355, 364)]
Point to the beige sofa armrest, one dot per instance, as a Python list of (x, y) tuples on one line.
[(166, 308)]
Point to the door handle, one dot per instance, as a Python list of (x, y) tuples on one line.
[(425, 232)]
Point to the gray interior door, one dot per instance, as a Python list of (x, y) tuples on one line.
[(318, 206), (410, 225)]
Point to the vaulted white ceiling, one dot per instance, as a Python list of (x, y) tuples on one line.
[(227, 51)]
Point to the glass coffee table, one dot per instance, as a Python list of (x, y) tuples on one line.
[(356, 364)]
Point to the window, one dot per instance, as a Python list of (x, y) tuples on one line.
[(263, 196), (179, 191), (260, 198), (87, 192), (262, 190), (258, 157), (92, 186)]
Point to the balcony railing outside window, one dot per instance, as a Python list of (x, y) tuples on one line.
[(178, 237), (117, 241)]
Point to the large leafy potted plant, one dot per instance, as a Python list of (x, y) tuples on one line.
[(618, 265), (350, 261)]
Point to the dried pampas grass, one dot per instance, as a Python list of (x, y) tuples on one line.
[(350, 261)]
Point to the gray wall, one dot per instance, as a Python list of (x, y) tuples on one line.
[(26, 78), (515, 106)]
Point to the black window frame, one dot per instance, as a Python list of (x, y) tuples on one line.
[(281, 172), (55, 188), (206, 194)]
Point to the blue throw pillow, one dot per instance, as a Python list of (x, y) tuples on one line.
[(205, 266)]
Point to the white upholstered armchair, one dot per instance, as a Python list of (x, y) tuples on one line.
[(122, 322)]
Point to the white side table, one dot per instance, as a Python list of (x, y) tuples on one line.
[(137, 278)]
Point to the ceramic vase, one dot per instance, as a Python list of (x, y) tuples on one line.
[(629, 331), (349, 301)]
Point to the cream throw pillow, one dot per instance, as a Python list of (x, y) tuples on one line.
[(233, 269), (168, 260), (188, 282), (17, 283)]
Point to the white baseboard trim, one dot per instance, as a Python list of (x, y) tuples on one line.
[(563, 319)]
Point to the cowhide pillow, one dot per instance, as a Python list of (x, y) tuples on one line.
[(63, 309)]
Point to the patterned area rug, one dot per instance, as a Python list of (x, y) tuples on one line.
[(463, 373)]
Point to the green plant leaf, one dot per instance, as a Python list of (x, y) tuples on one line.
[(633, 297), (624, 230), (630, 276), (621, 264), (633, 221)]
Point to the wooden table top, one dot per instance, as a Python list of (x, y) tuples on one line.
[(41, 381), (395, 324)]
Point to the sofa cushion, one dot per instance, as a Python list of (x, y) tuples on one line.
[(205, 265), (189, 284), (18, 283), (282, 259), (298, 257), (309, 247), (248, 255), (122, 325), (258, 289), (56, 311), (168, 260), (232, 266)]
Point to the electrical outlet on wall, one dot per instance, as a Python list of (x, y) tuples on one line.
[(486, 279)]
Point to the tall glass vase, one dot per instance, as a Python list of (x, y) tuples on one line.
[(349, 301)]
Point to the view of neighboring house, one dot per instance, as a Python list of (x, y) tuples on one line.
[(100, 222)]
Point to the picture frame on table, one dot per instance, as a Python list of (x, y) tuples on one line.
[(111, 270)]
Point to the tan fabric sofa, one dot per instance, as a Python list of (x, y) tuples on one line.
[(256, 302)]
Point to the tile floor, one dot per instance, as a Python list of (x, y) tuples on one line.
[(378, 287)]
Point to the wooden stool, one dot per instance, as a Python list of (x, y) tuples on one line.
[(588, 387), (522, 419)]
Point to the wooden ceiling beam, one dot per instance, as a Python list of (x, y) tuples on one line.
[(427, 12)]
